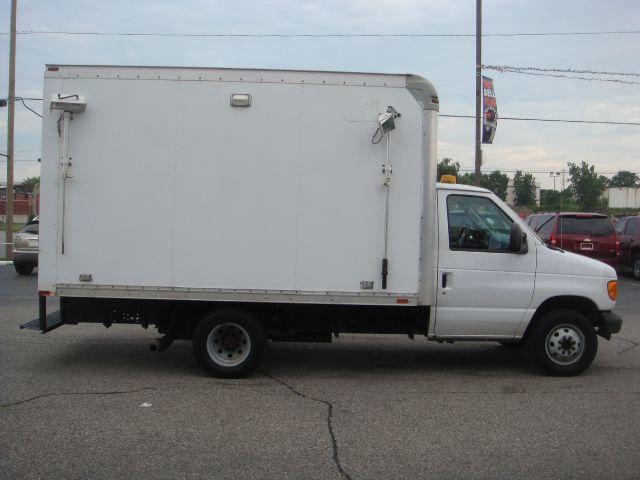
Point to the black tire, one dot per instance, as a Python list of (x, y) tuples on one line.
[(635, 267), (23, 269), (563, 342), (229, 343)]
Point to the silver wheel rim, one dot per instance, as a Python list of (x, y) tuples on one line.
[(565, 344), (228, 344)]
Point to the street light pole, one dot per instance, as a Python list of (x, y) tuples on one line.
[(11, 103), (554, 175), (478, 155)]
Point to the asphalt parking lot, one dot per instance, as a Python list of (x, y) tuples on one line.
[(88, 402)]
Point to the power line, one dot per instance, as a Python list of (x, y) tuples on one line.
[(27, 107), (550, 120), (321, 35), (537, 172), (543, 72), (561, 70)]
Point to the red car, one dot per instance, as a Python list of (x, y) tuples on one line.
[(589, 234), (628, 229)]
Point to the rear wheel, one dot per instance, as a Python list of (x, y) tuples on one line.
[(563, 342), (229, 343), (636, 268)]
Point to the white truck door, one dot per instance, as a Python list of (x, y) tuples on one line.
[(483, 289)]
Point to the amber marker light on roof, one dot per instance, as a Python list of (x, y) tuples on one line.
[(448, 179)]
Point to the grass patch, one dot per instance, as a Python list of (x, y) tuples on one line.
[(16, 227)]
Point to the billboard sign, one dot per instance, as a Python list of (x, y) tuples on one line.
[(489, 111)]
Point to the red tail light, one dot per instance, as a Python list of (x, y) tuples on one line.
[(553, 241), (617, 247)]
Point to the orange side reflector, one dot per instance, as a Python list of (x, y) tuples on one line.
[(45, 293), (612, 288), (402, 301)]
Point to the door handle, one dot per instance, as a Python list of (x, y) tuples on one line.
[(446, 281)]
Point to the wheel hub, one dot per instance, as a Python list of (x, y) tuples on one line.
[(565, 344), (228, 344)]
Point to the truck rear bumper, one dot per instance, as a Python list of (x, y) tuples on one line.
[(611, 323)]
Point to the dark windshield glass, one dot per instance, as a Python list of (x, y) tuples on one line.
[(595, 226)]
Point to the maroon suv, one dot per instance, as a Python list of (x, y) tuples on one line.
[(589, 234), (628, 230)]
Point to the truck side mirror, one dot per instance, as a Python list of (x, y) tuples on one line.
[(517, 242)]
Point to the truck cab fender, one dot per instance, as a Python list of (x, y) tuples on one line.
[(604, 323)]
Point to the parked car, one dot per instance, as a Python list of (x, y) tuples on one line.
[(628, 230), (25, 248), (589, 234)]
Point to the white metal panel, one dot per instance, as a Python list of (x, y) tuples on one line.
[(236, 187), (48, 230), (172, 187), (429, 227), (119, 203)]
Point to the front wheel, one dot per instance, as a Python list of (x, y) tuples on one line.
[(229, 343), (563, 342)]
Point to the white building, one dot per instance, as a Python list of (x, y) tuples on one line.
[(627, 197)]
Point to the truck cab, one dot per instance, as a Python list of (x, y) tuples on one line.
[(497, 280)]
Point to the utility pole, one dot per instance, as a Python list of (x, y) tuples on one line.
[(478, 89), (11, 103)]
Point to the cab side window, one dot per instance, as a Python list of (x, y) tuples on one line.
[(620, 226), (631, 226), (476, 223)]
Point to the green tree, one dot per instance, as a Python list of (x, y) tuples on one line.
[(586, 185), (447, 167), (467, 179), (27, 185), (550, 200), (497, 182), (624, 178), (525, 189)]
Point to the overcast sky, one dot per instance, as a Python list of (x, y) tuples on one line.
[(448, 62)]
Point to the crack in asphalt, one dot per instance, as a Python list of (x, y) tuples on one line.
[(44, 395), (633, 345), (336, 459)]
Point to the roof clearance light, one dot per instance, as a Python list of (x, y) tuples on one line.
[(240, 100), (448, 179)]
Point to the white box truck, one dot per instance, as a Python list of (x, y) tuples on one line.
[(232, 207)]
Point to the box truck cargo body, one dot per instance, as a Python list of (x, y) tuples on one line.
[(231, 207)]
